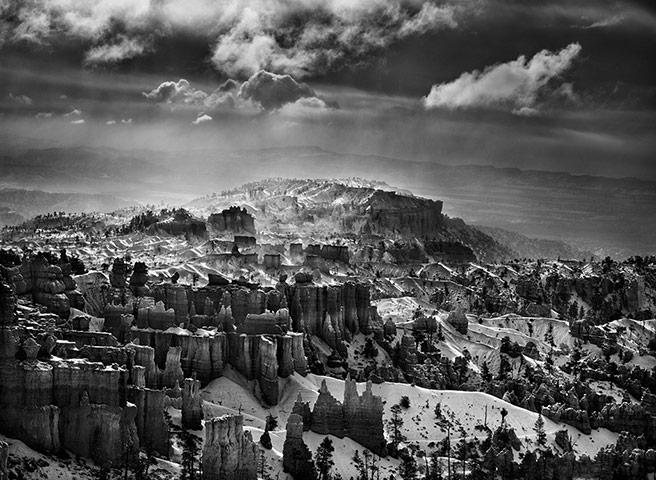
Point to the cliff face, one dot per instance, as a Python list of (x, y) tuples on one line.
[(296, 456), (229, 453), (192, 404), (7, 304), (360, 417), (233, 219), (151, 423), (65, 403), (49, 285), (388, 212)]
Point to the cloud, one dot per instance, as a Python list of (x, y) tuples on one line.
[(78, 122), (21, 99), (299, 37), (110, 122), (73, 113), (122, 49), (202, 118), (126, 122), (305, 38), (272, 91), (263, 90), (171, 92), (516, 84), (526, 112), (42, 115)]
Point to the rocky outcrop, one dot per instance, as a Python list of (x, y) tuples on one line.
[(625, 417), (88, 429), (388, 212), (271, 260), (96, 290), (118, 277), (576, 418), (144, 356), (138, 280), (7, 304), (363, 417), (255, 357), (151, 423), (360, 417), (192, 404), (50, 285), (172, 369), (228, 452), (181, 223), (328, 414), (157, 317), (175, 297), (296, 456), (233, 219), (339, 253), (66, 403)]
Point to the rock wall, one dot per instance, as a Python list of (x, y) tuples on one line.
[(65, 403), (228, 452), (192, 404), (7, 304), (151, 423), (296, 456), (233, 219), (49, 285), (360, 417)]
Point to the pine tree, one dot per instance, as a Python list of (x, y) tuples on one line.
[(540, 435), (408, 468), (323, 459), (271, 422), (435, 468), (370, 350), (504, 367), (190, 451), (395, 424), (359, 466), (485, 372)]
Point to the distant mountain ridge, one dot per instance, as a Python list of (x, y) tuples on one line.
[(607, 216), (24, 204), (332, 208)]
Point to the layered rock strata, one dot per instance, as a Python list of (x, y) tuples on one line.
[(229, 453)]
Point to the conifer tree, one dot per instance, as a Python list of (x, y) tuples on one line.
[(323, 459)]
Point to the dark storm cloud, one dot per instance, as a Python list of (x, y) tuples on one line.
[(300, 37)]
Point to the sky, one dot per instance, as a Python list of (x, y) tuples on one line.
[(566, 85)]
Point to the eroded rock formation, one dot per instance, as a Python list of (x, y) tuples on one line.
[(296, 456), (229, 453)]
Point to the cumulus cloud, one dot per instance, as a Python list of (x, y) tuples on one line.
[(526, 112), (110, 122), (21, 99), (264, 90), (126, 121), (300, 37), (202, 118), (272, 91), (78, 122), (516, 84), (73, 113), (43, 115)]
